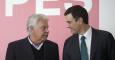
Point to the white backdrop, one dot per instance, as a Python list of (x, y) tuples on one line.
[(107, 15)]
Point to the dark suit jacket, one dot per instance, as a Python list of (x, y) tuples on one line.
[(102, 46), (21, 50)]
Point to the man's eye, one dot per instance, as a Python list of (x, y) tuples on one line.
[(44, 28), (68, 22)]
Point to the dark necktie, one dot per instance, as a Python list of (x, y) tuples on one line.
[(84, 52)]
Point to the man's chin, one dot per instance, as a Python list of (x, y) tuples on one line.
[(41, 41), (44, 39), (73, 32)]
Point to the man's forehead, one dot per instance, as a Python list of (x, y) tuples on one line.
[(42, 21), (69, 17)]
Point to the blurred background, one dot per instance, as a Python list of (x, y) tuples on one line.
[(14, 15)]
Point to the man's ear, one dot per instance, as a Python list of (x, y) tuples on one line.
[(31, 28), (80, 20)]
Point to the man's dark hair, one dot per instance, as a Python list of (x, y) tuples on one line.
[(78, 11)]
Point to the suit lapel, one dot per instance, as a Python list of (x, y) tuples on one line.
[(93, 43), (28, 50), (45, 51), (76, 48)]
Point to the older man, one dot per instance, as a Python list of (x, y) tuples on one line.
[(35, 46)]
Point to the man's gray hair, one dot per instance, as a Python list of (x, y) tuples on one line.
[(33, 20)]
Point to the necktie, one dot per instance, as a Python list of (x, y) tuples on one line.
[(84, 53)]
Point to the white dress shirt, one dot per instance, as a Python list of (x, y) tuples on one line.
[(88, 35), (37, 46)]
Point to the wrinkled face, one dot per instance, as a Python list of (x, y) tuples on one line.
[(72, 24), (40, 31)]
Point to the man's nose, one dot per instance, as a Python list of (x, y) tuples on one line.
[(46, 30), (69, 27)]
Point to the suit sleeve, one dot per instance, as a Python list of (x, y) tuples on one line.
[(57, 53), (65, 52), (111, 47), (10, 53)]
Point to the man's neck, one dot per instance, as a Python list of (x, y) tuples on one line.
[(34, 40), (84, 29)]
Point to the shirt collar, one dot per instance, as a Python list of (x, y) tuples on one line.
[(87, 34), (37, 46)]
